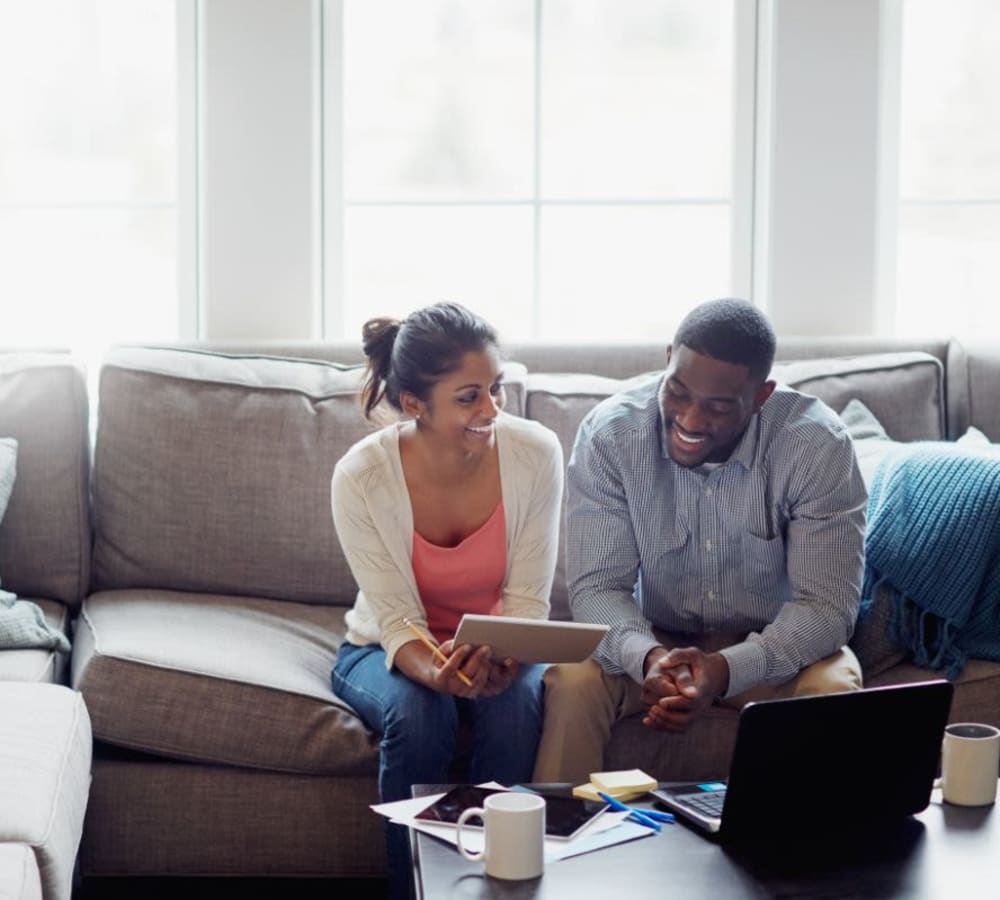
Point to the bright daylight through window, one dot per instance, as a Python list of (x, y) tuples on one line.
[(88, 172), (948, 264), (565, 167)]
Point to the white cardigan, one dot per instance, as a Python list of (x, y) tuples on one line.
[(374, 522)]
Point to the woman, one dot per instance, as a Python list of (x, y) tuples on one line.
[(453, 509)]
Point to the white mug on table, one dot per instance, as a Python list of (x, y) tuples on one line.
[(970, 760), (515, 834)]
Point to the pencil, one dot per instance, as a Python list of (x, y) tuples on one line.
[(435, 649)]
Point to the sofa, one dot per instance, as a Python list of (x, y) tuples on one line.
[(175, 523)]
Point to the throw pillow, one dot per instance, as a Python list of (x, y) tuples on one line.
[(871, 442), (975, 439)]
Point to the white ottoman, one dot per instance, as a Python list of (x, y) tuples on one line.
[(45, 752)]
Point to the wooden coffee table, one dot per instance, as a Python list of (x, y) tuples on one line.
[(943, 852)]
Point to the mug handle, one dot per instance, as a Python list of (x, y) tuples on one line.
[(471, 812)]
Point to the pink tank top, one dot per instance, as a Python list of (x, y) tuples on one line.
[(463, 579)]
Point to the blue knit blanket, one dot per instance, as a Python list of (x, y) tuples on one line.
[(933, 538)]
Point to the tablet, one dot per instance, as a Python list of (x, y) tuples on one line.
[(531, 640), (564, 816)]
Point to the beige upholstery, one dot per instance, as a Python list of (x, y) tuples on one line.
[(235, 456), (45, 538), (905, 391), (154, 817), (19, 878), (44, 777), (230, 680), (977, 688), (560, 402)]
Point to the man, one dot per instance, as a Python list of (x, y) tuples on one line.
[(715, 522)]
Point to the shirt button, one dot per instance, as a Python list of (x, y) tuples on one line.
[(708, 492), (708, 545), (711, 595)]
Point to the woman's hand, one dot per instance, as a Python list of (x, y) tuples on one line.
[(472, 662), (502, 675)]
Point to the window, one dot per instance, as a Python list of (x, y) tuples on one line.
[(88, 172), (564, 167), (947, 269)]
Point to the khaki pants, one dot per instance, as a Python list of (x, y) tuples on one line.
[(582, 702)]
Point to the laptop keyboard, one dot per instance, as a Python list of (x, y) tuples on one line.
[(709, 804)]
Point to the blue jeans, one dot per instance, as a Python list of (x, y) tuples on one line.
[(419, 726)]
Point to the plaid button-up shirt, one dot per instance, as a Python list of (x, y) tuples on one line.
[(769, 544)]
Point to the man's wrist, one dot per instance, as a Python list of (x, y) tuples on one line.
[(718, 673), (651, 659)]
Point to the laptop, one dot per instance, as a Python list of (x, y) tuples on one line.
[(823, 762)]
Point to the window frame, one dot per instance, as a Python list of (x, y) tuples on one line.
[(741, 196)]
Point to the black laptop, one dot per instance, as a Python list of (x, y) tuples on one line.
[(823, 763)]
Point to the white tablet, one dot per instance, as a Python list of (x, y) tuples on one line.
[(531, 640)]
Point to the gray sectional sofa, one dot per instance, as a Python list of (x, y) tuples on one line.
[(179, 530)]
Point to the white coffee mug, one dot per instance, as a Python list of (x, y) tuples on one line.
[(515, 833), (970, 764)]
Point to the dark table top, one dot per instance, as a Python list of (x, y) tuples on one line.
[(943, 852)]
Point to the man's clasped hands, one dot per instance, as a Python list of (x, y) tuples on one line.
[(680, 684)]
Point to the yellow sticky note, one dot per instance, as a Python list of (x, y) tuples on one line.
[(589, 792), (622, 780)]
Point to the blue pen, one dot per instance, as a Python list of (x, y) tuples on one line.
[(639, 815)]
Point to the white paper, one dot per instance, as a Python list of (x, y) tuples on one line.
[(607, 829)]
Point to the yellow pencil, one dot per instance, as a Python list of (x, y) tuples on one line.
[(435, 649)]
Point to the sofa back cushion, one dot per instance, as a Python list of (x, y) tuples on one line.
[(904, 390), (560, 402), (212, 474), (45, 533), (973, 381)]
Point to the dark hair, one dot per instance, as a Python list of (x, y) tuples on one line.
[(730, 330), (411, 355)]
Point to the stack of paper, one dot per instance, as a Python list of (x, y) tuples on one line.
[(624, 785)]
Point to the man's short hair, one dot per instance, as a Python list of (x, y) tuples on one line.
[(730, 330)]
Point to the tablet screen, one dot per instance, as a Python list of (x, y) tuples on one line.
[(564, 816)]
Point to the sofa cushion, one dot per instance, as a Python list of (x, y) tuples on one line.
[(212, 474), (44, 777), (8, 471), (560, 402), (976, 688), (154, 817), (45, 535), (904, 390), (974, 439), (871, 442), (19, 877), (218, 679), (973, 375)]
